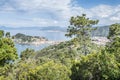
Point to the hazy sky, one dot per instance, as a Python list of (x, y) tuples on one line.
[(26, 13)]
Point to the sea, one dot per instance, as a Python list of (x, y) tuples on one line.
[(50, 35)]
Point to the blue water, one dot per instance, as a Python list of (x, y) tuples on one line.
[(21, 48), (50, 35), (54, 36)]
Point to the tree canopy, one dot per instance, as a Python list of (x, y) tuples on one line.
[(81, 27), (8, 51), (114, 30)]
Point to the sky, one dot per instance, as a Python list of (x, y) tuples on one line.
[(43, 13)]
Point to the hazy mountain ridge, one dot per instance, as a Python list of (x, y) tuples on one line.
[(101, 31), (52, 28)]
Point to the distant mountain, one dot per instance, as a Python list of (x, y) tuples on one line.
[(101, 31), (4, 28), (50, 28), (55, 28)]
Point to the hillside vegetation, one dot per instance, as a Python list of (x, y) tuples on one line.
[(77, 59)]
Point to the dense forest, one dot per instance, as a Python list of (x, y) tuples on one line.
[(76, 59)]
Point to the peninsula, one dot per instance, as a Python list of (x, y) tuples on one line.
[(20, 38), (27, 39)]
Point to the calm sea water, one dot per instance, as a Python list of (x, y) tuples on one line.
[(54, 36)]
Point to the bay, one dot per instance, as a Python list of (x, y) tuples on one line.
[(50, 35)]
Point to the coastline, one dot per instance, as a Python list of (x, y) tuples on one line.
[(39, 42)]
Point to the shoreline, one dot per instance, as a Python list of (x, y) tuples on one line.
[(39, 42), (96, 40)]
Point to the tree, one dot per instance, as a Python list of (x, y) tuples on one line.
[(114, 48), (96, 66), (50, 71), (30, 70), (7, 50), (28, 53), (114, 30), (81, 27), (7, 34), (114, 45), (1, 33)]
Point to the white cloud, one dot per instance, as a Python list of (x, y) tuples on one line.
[(61, 9), (58, 12), (41, 4), (105, 13), (115, 18), (102, 11)]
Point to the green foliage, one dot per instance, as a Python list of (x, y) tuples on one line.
[(114, 30), (81, 27), (23, 37), (7, 51), (4, 72), (50, 71), (64, 52), (30, 70), (114, 45), (28, 53), (115, 48), (19, 70), (96, 66), (7, 34), (1, 33)]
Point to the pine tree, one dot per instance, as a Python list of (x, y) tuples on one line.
[(81, 27)]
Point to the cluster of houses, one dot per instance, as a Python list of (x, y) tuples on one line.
[(100, 40)]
